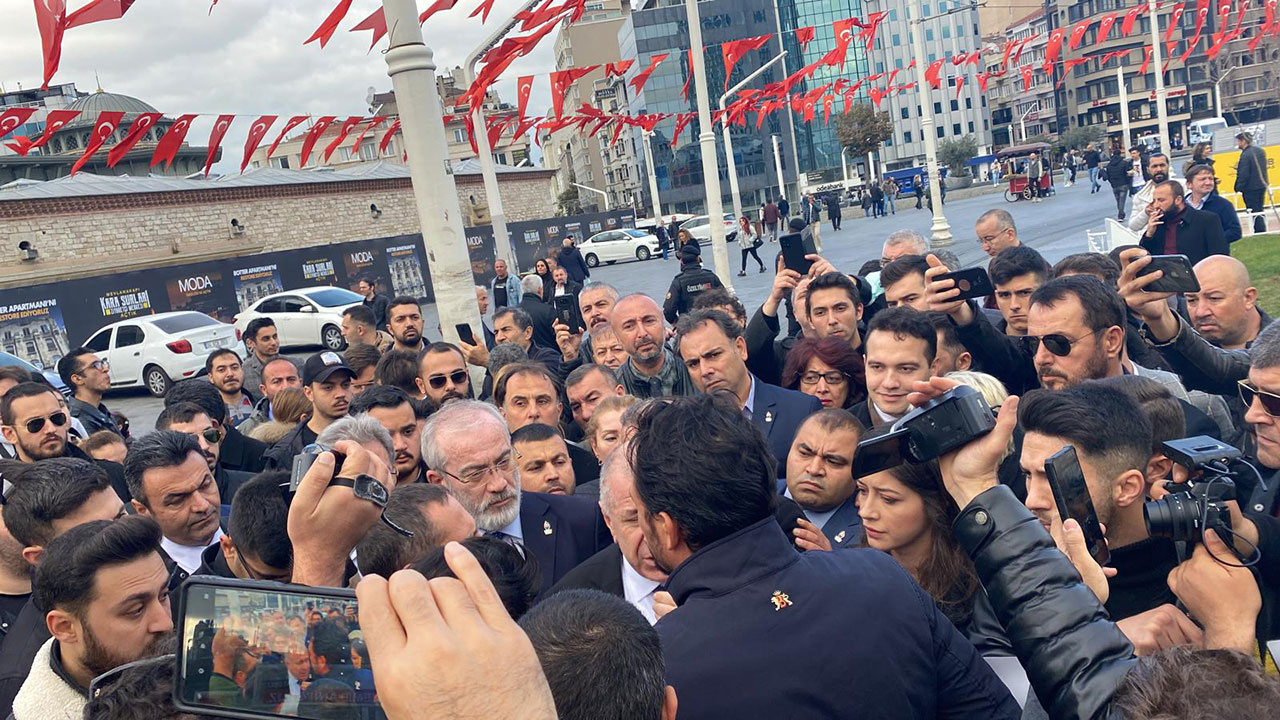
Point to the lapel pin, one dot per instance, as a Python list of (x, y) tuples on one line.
[(840, 536), (768, 416), (546, 527)]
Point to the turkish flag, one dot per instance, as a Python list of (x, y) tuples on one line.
[(312, 137), (330, 24), (377, 22), (1104, 27), (437, 6), (140, 126), (294, 122), (524, 86), (560, 82), (1054, 49), (804, 36), (51, 20), (843, 36), (483, 10), (54, 122), (959, 85), (735, 50), (343, 131), (682, 120), (172, 141), (931, 73), (637, 82), (617, 130), (1028, 74), (11, 119), (386, 138), (373, 123), (1173, 22), (495, 128), (220, 127), (1131, 18), (868, 29), (826, 109), (876, 95), (1077, 33), (99, 10), (688, 78), (1146, 60), (524, 126), (618, 69), (1202, 15), (103, 129), (257, 132)]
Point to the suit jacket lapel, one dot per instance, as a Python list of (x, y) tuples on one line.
[(765, 411), (841, 528), (536, 520)]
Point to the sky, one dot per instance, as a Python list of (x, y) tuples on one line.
[(246, 58)]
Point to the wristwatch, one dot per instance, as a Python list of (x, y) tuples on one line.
[(366, 487)]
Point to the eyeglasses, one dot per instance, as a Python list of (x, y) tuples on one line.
[(100, 365), (988, 239), (211, 435), (833, 377), (1056, 343), (1270, 401), (502, 467), (35, 425), (98, 683), (457, 377)]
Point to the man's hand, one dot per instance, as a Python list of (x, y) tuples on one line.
[(1152, 307), (446, 647), (784, 283), (326, 521), (971, 469), (1070, 540), (1225, 599), (570, 342), (820, 266), (1158, 629), (1154, 220), (663, 603), (476, 354), (800, 304), (810, 537), (939, 293)]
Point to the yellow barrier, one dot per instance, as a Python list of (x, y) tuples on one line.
[(1224, 167)]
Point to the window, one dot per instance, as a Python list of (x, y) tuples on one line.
[(968, 103), (906, 136), (955, 104), (98, 343), (293, 304), (928, 33), (937, 108), (906, 114), (128, 335), (897, 39), (955, 129), (941, 132), (970, 126), (459, 135)]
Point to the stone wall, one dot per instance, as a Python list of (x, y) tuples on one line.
[(91, 235)]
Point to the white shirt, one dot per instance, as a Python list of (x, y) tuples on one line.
[(884, 416), (186, 556), (561, 291), (638, 590), (749, 407), (818, 518)]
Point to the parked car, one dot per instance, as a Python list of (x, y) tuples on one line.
[(611, 246), (700, 228), (49, 374), (307, 316), (153, 351)]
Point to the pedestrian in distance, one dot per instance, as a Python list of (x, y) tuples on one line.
[(748, 242)]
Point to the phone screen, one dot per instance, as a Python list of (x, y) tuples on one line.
[(878, 453), (267, 650), (567, 312), (1072, 496), (794, 251)]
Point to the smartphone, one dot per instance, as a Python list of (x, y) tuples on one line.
[(303, 461), (878, 453), (1072, 496), (288, 649), (794, 248), (464, 333), (973, 283), (567, 312), (1178, 274)]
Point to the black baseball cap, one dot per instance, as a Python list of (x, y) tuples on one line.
[(320, 366)]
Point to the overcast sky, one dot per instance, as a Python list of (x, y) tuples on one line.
[(246, 58)]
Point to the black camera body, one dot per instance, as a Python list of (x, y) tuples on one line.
[(1200, 504), (951, 420)]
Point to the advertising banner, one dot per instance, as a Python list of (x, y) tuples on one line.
[(202, 291), (254, 283), (406, 271), (34, 331), (125, 303), (317, 271)]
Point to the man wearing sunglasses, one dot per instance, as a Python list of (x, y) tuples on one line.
[(89, 377), (191, 419), (442, 374)]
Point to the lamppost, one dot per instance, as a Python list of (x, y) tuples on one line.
[(1157, 69), (730, 161), (941, 230), (411, 66), (601, 193), (645, 138), (707, 143), (1217, 90)]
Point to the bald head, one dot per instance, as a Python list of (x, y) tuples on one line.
[(1224, 311)]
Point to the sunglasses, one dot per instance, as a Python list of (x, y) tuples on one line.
[(1056, 343), (1270, 401), (437, 381), (35, 425), (211, 435)]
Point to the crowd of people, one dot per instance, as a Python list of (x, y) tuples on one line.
[(652, 509)]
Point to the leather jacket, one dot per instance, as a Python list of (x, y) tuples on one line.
[(1204, 366), (1074, 656)]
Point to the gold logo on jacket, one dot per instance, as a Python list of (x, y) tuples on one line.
[(780, 600)]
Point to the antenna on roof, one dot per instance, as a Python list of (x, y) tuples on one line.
[(96, 80)]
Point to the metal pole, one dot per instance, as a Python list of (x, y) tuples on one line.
[(488, 170), (601, 193), (941, 230), (731, 162), (412, 70), (844, 168), (791, 123), (653, 176), (1157, 55), (707, 141), (777, 165), (1124, 108), (1217, 91)]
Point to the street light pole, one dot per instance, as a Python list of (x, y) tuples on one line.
[(777, 165), (730, 161), (1157, 69), (645, 139), (707, 142), (411, 66), (1124, 108), (941, 230), (601, 193), (1217, 90)]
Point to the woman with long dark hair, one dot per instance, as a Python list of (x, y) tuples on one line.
[(543, 268), (748, 241), (828, 369), (1201, 154)]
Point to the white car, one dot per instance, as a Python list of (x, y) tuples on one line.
[(154, 351), (611, 246), (308, 316), (700, 228)]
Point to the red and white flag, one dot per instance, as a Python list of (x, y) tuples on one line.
[(483, 10), (375, 23), (220, 127), (637, 82), (804, 36), (257, 132), (843, 35), (140, 126), (373, 123), (313, 136), (1131, 19), (103, 129), (294, 122), (330, 24), (51, 20), (524, 87), (10, 120), (437, 6), (931, 73), (172, 141), (618, 69), (343, 131), (54, 122), (735, 50), (1174, 19), (386, 138), (1104, 27), (99, 10), (1077, 33)]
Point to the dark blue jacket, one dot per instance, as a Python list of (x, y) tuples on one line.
[(844, 527), (778, 413), (1225, 211), (762, 631), (561, 532)]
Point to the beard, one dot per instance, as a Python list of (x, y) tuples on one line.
[(98, 659), (492, 520), (41, 452), (410, 336), (1095, 368)]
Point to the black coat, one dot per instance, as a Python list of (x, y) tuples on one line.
[(1118, 171), (1251, 171), (602, 571), (571, 260), (686, 286), (543, 317), (779, 413), (1199, 235), (242, 453), (561, 532), (761, 631)]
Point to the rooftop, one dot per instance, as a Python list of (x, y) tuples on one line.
[(94, 103)]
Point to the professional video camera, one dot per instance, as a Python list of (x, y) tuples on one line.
[(932, 430), (1199, 504)]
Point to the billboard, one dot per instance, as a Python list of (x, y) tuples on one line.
[(254, 283), (34, 331)]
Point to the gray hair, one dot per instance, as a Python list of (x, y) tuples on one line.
[(1004, 221), (504, 354), (359, 429), (604, 287), (531, 284), (908, 237), (459, 416), (480, 288), (947, 258), (1265, 351), (615, 462)]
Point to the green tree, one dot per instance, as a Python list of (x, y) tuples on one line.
[(863, 130), (567, 202), (1080, 136), (956, 153)]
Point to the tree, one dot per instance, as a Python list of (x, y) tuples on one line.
[(567, 202), (956, 153), (863, 130), (1080, 136)]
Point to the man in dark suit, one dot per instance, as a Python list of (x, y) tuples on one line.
[(715, 353), (571, 260), (820, 480), (1175, 228), (901, 345), (467, 448), (1251, 178), (541, 314)]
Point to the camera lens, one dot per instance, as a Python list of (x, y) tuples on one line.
[(1176, 516)]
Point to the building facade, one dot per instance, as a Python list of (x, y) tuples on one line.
[(1018, 112), (1249, 80), (619, 157)]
